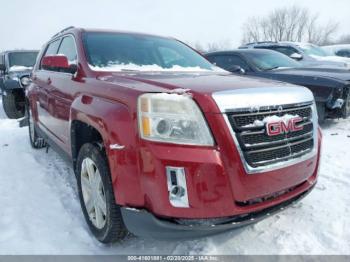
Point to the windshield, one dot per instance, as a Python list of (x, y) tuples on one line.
[(314, 50), (269, 60), (127, 52), (22, 59)]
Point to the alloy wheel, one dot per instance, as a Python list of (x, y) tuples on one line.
[(93, 193)]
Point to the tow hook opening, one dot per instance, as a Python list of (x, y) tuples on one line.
[(177, 187)]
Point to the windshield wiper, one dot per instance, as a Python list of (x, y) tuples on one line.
[(129, 70), (272, 68)]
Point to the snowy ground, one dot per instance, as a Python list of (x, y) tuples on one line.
[(40, 211)]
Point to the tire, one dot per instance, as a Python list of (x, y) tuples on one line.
[(35, 141), (13, 104), (345, 110), (321, 111), (102, 215)]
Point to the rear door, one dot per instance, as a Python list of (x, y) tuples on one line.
[(62, 87)]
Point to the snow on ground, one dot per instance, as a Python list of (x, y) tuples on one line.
[(40, 211)]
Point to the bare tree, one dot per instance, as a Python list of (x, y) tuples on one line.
[(217, 46), (345, 39), (198, 46), (288, 24)]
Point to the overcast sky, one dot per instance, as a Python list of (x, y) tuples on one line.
[(29, 24)]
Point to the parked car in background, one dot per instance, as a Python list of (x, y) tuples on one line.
[(15, 68), (305, 53), (165, 144), (338, 50), (330, 86)]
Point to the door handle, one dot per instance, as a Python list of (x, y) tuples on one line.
[(48, 81)]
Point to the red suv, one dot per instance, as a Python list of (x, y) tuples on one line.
[(165, 144)]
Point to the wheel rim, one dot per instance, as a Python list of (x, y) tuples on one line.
[(31, 126), (93, 193)]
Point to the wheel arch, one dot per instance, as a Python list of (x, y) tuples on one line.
[(108, 122)]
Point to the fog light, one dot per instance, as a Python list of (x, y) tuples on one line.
[(25, 81), (177, 191), (177, 187)]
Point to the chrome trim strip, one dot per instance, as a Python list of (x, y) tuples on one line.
[(246, 132), (261, 97), (307, 105), (279, 141), (116, 147), (281, 146)]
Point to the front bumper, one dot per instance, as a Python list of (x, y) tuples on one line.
[(145, 224)]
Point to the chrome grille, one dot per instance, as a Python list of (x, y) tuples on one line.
[(261, 150)]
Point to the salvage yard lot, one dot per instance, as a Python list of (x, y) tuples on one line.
[(40, 211)]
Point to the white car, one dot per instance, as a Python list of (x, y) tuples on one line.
[(338, 50), (307, 54)]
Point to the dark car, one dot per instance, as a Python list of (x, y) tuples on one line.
[(307, 54), (330, 86), (15, 68)]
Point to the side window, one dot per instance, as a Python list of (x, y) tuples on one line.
[(286, 50), (343, 52), (68, 49), (52, 49), (227, 61)]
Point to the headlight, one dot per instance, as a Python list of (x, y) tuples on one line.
[(172, 118), (14, 77), (25, 81)]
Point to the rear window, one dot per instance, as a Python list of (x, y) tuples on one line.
[(52, 48)]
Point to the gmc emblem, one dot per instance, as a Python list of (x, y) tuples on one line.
[(283, 127)]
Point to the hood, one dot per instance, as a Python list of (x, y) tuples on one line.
[(200, 83), (334, 73), (335, 59), (19, 71)]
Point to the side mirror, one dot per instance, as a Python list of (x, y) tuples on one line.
[(58, 63), (296, 56), (236, 69), (2, 67)]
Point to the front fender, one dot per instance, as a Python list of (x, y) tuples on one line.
[(117, 125), (323, 88), (10, 84)]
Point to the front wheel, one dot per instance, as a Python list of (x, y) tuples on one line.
[(345, 111), (96, 195), (12, 102)]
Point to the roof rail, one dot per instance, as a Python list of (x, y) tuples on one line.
[(262, 42), (63, 30)]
